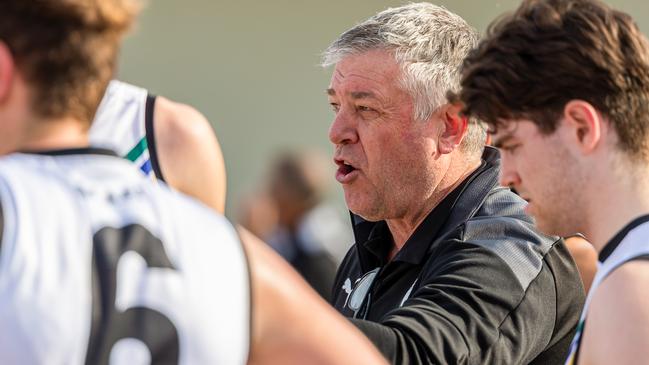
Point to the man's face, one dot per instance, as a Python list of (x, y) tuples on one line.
[(386, 159), (544, 173)]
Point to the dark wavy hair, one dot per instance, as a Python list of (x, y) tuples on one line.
[(548, 52)]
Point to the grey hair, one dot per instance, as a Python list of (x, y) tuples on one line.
[(430, 44)]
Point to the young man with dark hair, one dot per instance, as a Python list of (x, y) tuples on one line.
[(564, 85), (97, 264)]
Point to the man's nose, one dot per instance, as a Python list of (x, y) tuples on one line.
[(343, 129)]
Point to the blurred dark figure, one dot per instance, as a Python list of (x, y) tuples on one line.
[(291, 215)]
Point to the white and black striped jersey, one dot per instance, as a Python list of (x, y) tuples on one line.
[(631, 243), (99, 266), (124, 124)]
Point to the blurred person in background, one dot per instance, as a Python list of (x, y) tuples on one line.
[(564, 86), (291, 213), (447, 267), (169, 141), (100, 265)]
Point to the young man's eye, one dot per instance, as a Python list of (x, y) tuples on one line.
[(335, 107), (510, 148)]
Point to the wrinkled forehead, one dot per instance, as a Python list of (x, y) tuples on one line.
[(369, 75)]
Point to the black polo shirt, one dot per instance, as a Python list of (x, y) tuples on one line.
[(476, 283)]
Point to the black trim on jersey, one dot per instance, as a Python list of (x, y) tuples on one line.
[(617, 239), (75, 151), (641, 257), (150, 139)]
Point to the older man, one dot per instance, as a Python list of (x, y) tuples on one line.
[(577, 141), (447, 268)]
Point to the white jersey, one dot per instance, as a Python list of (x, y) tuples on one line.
[(631, 243), (99, 266), (124, 124)]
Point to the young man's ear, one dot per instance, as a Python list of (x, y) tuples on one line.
[(7, 67), (454, 128), (584, 125)]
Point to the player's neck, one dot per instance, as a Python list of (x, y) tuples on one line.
[(615, 205), (54, 134)]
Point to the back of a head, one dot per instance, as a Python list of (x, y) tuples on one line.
[(429, 42), (299, 178), (548, 52), (66, 50)]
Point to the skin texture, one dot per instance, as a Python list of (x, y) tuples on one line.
[(607, 188), (291, 324), (190, 156), (404, 167)]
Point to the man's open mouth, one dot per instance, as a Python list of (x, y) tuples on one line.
[(344, 170)]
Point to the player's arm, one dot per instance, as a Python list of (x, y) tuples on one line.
[(617, 326), (189, 154), (291, 323), (585, 257)]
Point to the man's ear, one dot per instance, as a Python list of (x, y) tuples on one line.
[(7, 69), (454, 128), (584, 125)]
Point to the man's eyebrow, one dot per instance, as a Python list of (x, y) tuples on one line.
[(362, 94), (354, 94), (498, 142)]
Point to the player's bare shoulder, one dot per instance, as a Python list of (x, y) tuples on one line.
[(189, 153), (181, 121)]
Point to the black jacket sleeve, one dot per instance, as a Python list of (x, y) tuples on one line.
[(470, 308)]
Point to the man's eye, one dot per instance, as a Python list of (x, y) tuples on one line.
[(510, 148), (366, 112), (335, 107)]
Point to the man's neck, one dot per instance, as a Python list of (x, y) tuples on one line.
[(618, 202), (55, 134), (402, 228)]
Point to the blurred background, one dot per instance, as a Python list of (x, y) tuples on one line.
[(252, 68)]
